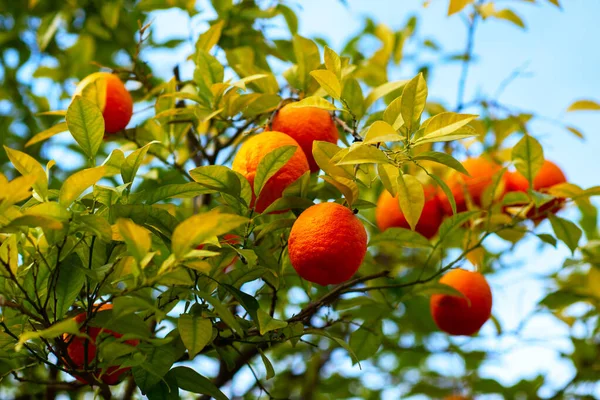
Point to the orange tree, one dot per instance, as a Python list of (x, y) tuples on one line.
[(232, 227)]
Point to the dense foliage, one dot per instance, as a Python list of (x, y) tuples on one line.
[(141, 222)]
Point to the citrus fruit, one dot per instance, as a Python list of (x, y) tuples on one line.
[(305, 125), (327, 244), (388, 213), (108, 92), (462, 315), (250, 154)]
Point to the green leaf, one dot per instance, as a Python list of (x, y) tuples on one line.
[(9, 254), (347, 187), (315, 101), (69, 283), (442, 158), (27, 165), (114, 162), (392, 114), (86, 124), (323, 152), (222, 311), (166, 389), (432, 288), (66, 326), (268, 366), (454, 222), (547, 238), (329, 82), (137, 238), (365, 341), (400, 237), (176, 190), (195, 333), (211, 37), (445, 123), (156, 365), (339, 341), (190, 380), (249, 303), (584, 105), (566, 231), (381, 91), (446, 190), (48, 133), (307, 59), (388, 174), (414, 98), (270, 164), (381, 131), (411, 198), (333, 62), (289, 203), (268, 323), (528, 157), (218, 178), (353, 98), (77, 183), (201, 227), (364, 154), (133, 161)]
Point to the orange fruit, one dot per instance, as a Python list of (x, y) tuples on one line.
[(462, 315), (327, 244), (252, 152), (110, 94), (305, 125), (549, 175), (481, 171), (76, 349), (388, 213)]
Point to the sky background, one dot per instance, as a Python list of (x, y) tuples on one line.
[(559, 53)]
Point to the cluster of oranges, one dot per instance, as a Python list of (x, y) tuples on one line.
[(327, 242)]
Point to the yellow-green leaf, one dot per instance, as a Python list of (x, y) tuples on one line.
[(77, 183), (323, 152), (66, 326), (382, 90), (413, 102), (347, 187), (137, 238), (315, 101), (457, 6), (333, 62), (195, 333), (86, 124), (445, 123), (509, 15), (411, 198), (528, 157), (9, 255), (392, 114), (198, 228), (208, 39), (381, 131), (584, 105), (388, 174), (27, 165), (133, 161), (270, 164), (48, 133), (328, 81)]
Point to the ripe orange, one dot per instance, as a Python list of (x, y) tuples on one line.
[(305, 125), (116, 106), (482, 171), (327, 244), (252, 152), (76, 349), (549, 175), (462, 315), (388, 213)]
